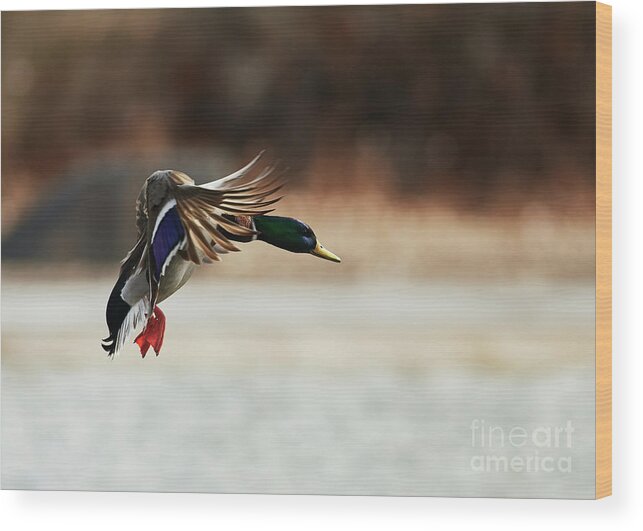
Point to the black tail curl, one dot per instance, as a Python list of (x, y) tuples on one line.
[(117, 310)]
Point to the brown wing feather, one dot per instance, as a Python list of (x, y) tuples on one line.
[(202, 208)]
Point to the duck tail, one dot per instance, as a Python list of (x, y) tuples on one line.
[(121, 318)]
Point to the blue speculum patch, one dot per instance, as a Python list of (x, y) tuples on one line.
[(168, 235)]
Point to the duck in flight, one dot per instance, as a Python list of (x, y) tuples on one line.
[(182, 225)]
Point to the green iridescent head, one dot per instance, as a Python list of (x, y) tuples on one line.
[(292, 235)]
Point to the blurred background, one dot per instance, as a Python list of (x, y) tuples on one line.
[(478, 110), (445, 152)]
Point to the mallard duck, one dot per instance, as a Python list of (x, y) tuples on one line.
[(182, 225)]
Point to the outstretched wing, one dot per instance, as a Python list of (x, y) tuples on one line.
[(210, 210)]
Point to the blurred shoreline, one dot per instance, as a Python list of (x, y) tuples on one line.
[(374, 241)]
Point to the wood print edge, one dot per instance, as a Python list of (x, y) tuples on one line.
[(603, 250)]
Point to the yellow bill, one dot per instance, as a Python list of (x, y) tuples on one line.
[(320, 251)]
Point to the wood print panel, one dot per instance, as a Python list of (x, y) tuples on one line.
[(456, 158)]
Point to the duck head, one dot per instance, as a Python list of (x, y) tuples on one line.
[(291, 235)]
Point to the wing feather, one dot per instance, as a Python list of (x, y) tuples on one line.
[(233, 176), (203, 208)]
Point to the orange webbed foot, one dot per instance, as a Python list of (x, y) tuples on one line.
[(152, 334)]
